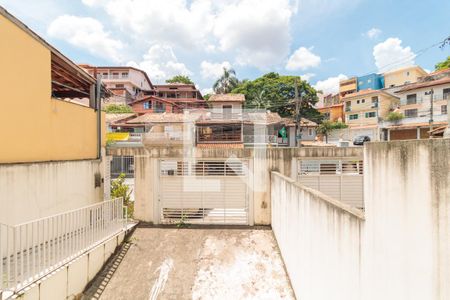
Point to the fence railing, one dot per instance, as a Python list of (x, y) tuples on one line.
[(122, 164), (31, 250)]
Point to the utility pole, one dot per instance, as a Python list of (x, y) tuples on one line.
[(98, 107), (297, 112), (431, 92)]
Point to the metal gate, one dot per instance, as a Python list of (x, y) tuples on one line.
[(340, 179), (205, 192)]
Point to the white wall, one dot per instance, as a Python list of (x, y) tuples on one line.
[(319, 240), (407, 231), (36, 190)]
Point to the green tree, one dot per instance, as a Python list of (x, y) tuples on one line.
[(120, 189), (394, 116), (277, 92), (443, 64), (180, 79), (326, 127), (117, 109), (226, 83)]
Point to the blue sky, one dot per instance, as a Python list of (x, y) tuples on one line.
[(321, 40)]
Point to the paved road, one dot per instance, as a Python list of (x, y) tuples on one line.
[(168, 263)]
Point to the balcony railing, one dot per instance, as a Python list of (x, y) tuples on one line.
[(32, 250), (218, 137), (414, 120), (348, 108)]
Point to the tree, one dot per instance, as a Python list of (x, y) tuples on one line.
[(326, 127), (276, 93), (226, 83), (120, 189), (180, 79), (117, 109), (394, 116), (443, 64), (206, 97)]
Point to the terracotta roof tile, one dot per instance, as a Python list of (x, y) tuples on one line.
[(424, 84), (227, 98)]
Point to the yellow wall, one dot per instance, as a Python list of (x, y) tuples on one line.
[(35, 127), (336, 112), (348, 85), (385, 103), (399, 77)]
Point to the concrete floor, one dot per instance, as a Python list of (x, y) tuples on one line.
[(169, 263)]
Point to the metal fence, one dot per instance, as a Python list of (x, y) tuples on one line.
[(31, 250), (122, 164)]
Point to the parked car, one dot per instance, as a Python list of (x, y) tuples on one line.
[(360, 140)]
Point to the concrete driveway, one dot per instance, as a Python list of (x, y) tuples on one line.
[(168, 263)]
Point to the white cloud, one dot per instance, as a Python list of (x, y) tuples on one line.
[(213, 70), (160, 63), (258, 31), (86, 33), (390, 55), (373, 33), (303, 59), (206, 91), (330, 85), (307, 76)]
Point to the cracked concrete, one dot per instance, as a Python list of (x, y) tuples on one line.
[(169, 263)]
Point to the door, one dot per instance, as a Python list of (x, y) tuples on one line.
[(203, 192)]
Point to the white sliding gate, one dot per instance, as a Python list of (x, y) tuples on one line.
[(205, 192), (340, 179)]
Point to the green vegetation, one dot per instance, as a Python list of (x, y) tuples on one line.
[(326, 127), (226, 83), (120, 189), (206, 97), (276, 93), (443, 64), (117, 109), (394, 116), (180, 79)]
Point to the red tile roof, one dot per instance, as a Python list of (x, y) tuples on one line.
[(424, 84)]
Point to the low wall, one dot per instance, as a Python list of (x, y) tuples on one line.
[(407, 232), (30, 191), (69, 281), (319, 239)]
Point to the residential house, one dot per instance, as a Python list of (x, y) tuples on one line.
[(403, 76), (348, 86), (224, 125), (370, 82), (126, 83), (153, 104), (307, 131), (420, 103), (185, 96), (364, 109), (332, 108), (51, 159)]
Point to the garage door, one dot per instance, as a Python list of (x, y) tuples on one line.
[(203, 192)]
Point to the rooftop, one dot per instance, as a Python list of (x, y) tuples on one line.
[(424, 84), (227, 98), (366, 92)]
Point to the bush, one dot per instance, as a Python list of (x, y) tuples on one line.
[(120, 189), (117, 109), (394, 116)]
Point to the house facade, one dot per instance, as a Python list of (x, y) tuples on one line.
[(370, 82), (126, 83), (403, 76), (153, 104), (348, 86), (423, 106), (364, 109), (332, 108), (184, 96), (51, 160)]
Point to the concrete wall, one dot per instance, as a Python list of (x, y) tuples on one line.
[(407, 231), (69, 281), (34, 190), (319, 239), (36, 127), (261, 162)]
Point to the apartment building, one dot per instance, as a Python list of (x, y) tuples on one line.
[(348, 86), (370, 82), (184, 96), (403, 76), (423, 105), (332, 108), (50, 160), (364, 109), (126, 83)]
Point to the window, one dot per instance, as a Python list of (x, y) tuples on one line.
[(371, 114), (369, 80), (310, 131), (407, 73), (226, 109), (363, 101), (348, 106), (446, 93), (160, 107), (115, 75), (148, 105), (444, 109), (410, 113), (125, 75), (119, 85), (105, 75), (411, 99), (374, 102), (353, 117), (392, 85), (357, 101)]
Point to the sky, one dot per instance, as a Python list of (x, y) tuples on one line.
[(323, 41)]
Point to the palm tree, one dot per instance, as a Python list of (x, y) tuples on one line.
[(226, 83), (259, 100)]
